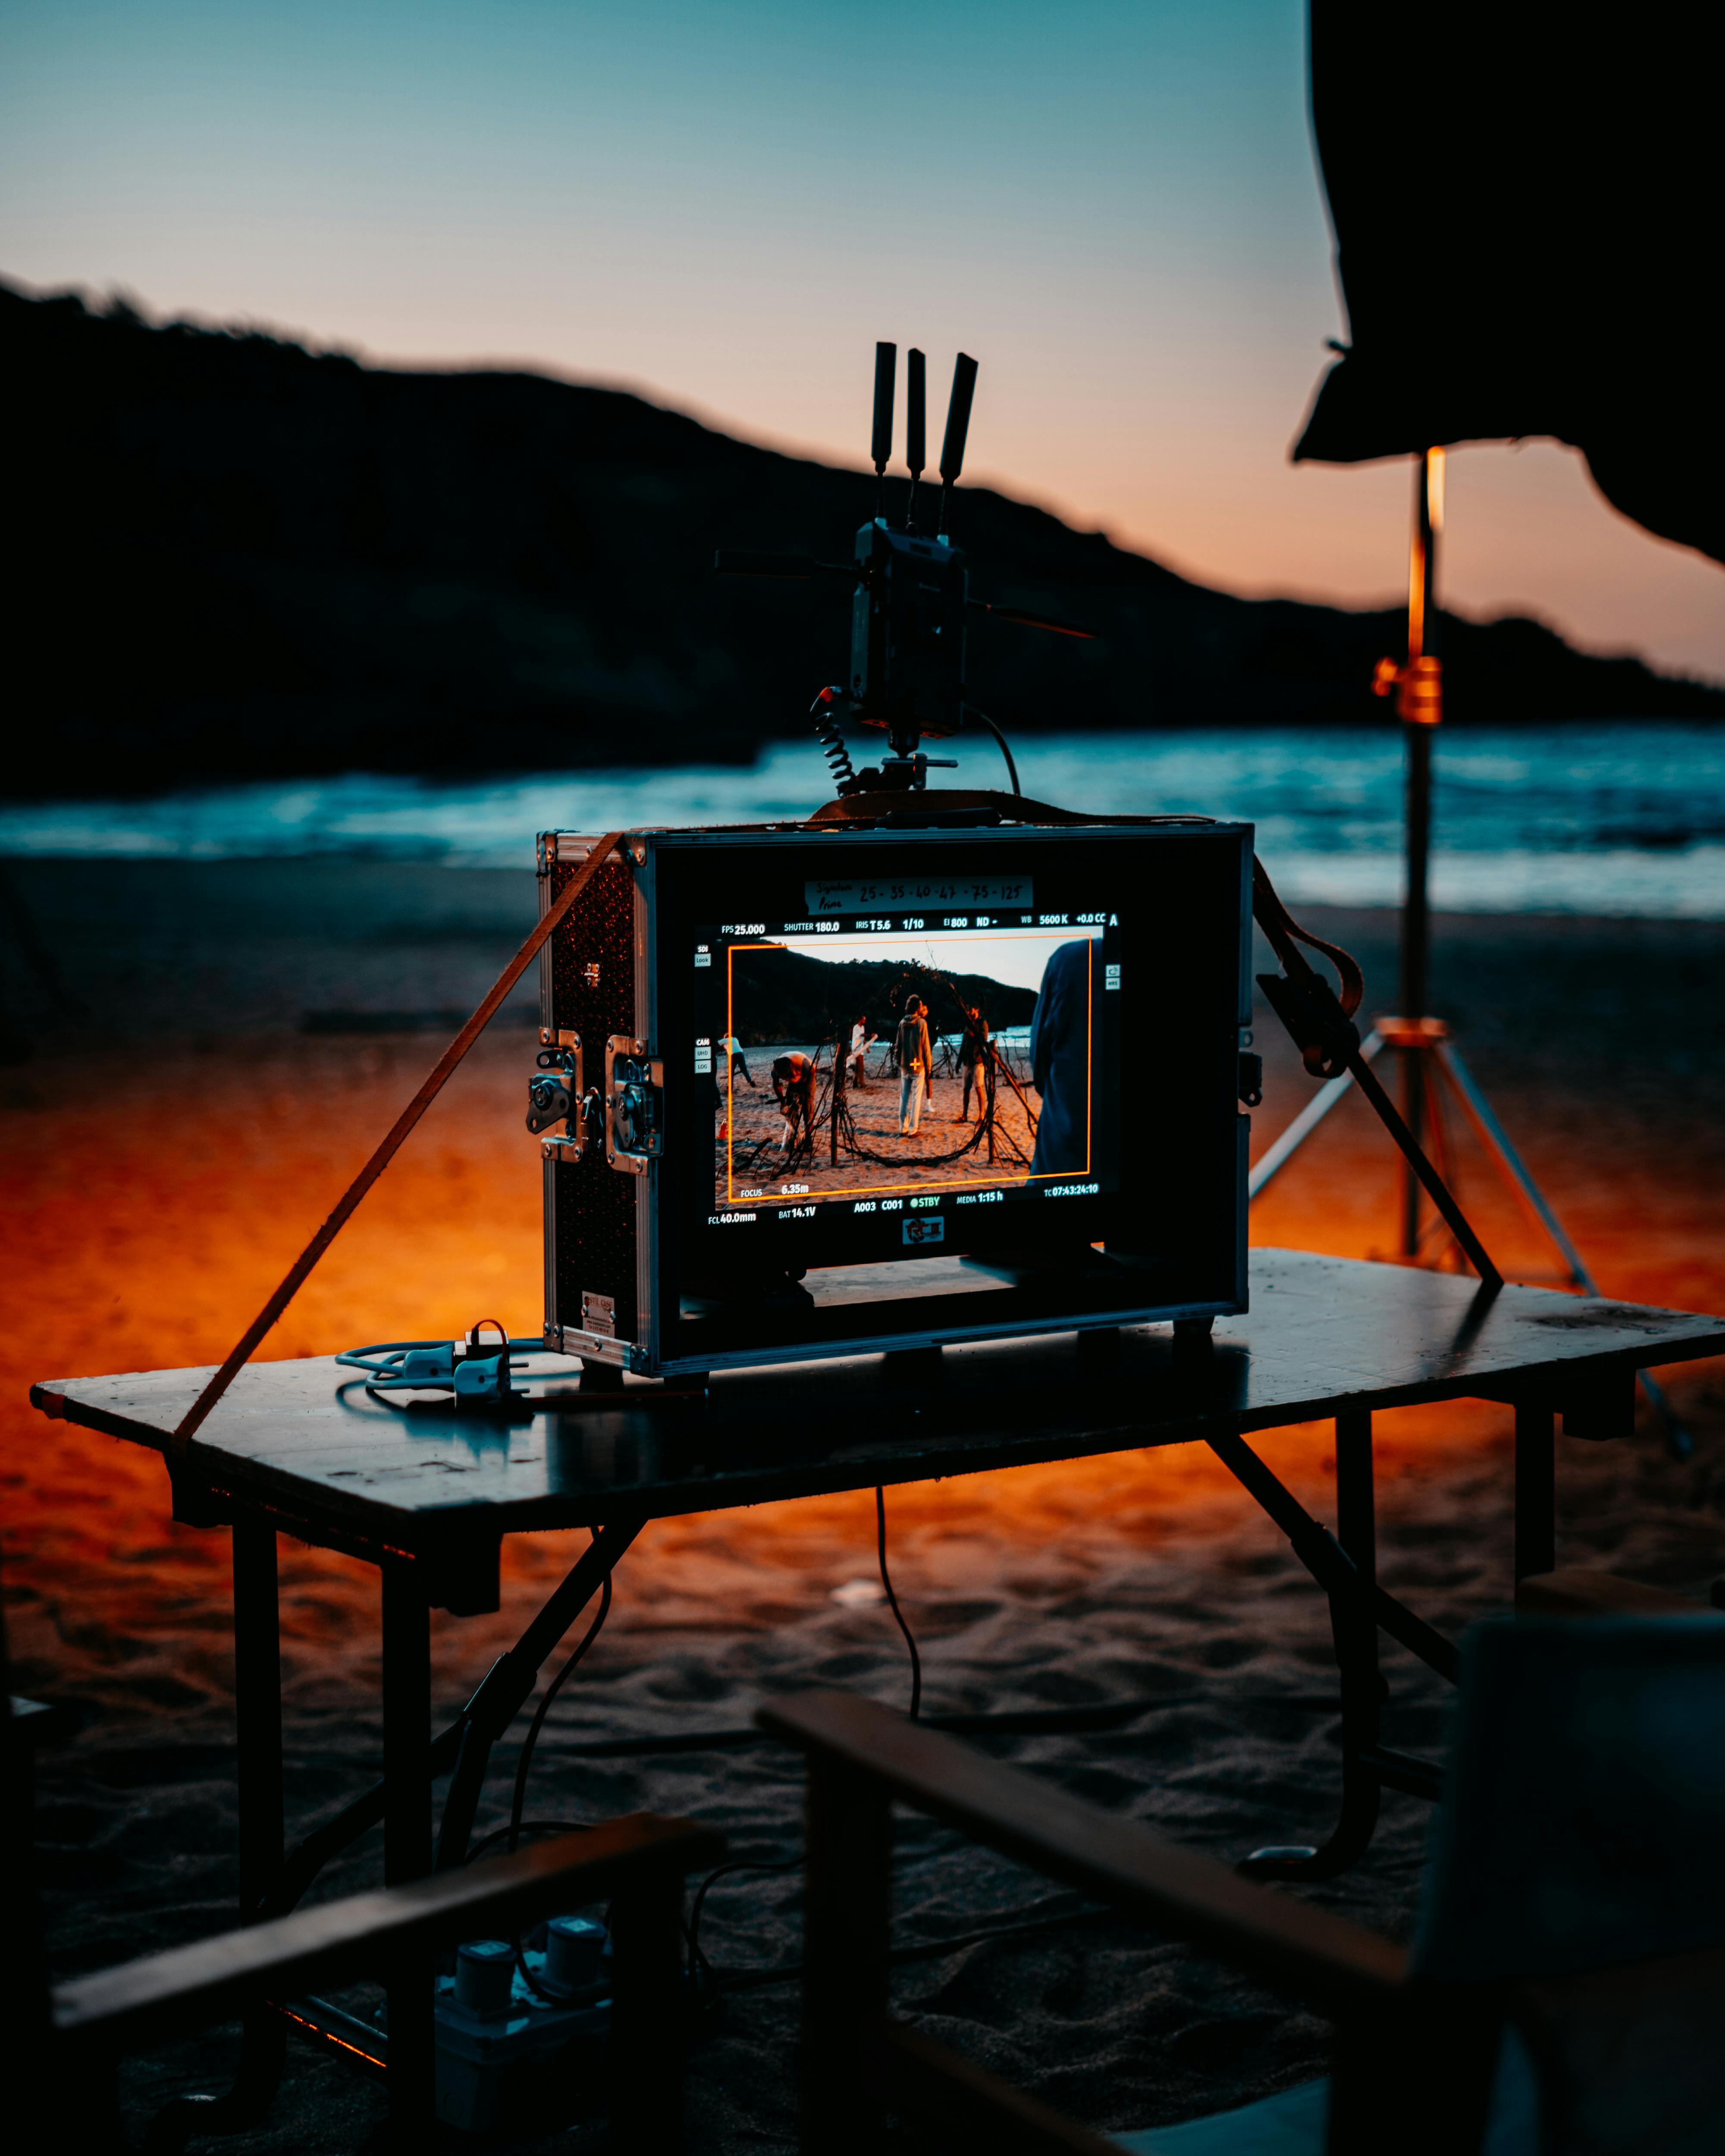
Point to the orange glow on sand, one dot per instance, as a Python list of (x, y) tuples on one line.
[(151, 1244)]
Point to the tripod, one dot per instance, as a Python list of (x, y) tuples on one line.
[(1431, 1065)]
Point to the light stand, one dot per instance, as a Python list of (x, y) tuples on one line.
[(1430, 1061), (1420, 701)]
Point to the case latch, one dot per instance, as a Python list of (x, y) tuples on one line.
[(634, 1105), (555, 1090)]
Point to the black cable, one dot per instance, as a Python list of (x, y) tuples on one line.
[(893, 1599), (1052, 1720), (753, 1980), (513, 1831), (525, 1763), (527, 1826), (1012, 769), (698, 1962), (701, 1971), (824, 712), (804, 1149)]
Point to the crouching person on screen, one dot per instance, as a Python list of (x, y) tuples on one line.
[(793, 1089)]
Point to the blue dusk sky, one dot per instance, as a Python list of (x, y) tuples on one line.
[(1115, 207)]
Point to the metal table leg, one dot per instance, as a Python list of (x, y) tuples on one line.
[(407, 1849), (257, 1713), (257, 1701), (1355, 1633), (846, 1919), (1536, 1491), (647, 2018)]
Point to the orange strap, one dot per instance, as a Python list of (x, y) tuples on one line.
[(1283, 931), (246, 1345)]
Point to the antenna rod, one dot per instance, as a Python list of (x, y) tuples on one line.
[(958, 427), (886, 373), (916, 428)]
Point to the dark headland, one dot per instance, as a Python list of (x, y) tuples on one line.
[(237, 558)]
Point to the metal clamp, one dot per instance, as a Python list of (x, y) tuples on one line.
[(634, 1105)]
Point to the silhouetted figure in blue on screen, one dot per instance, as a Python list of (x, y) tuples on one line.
[(1060, 1062)]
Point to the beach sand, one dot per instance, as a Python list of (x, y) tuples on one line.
[(176, 1136), (875, 1155)]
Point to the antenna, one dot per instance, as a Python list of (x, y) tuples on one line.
[(886, 373), (958, 427), (910, 594), (915, 442)]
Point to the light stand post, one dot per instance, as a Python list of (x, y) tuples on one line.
[(1430, 1058), (1420, 701)]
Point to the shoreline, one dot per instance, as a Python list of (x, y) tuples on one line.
[(160, 949), (734, 751)]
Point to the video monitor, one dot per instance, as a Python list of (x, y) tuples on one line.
[(934, 1083), (888, 1051)]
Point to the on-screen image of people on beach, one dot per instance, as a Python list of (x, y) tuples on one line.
[(971, 1064)]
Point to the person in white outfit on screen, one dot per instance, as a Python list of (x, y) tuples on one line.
[(915, 1065)]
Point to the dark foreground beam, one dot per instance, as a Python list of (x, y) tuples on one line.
[(166, 1993), (1119, 1862)]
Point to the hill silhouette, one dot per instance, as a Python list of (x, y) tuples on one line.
[(783, 996), (238, 558)]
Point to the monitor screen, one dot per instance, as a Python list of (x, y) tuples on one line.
[(1009, 1047), (886, 1052)]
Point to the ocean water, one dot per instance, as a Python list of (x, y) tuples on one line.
[(1618, 818)]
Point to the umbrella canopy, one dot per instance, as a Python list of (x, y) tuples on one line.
[(1526, 205)]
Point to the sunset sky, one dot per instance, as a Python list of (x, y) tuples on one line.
[(1113, 204)]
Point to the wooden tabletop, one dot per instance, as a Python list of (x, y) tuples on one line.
[(410, 1479)]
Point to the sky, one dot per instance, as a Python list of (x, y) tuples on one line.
[(1016, 960), (1113, 204)]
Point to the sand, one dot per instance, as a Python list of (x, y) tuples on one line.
[(165, 1152), (876, 1155)]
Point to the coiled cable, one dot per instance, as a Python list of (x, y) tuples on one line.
[(824, 712)]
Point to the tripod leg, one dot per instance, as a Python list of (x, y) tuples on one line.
[(1680, 1441), (1355, 1634), (1433, 1185), (1496, 1140), (1443, 1156), (1282, 1151), (1413, 1115)]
